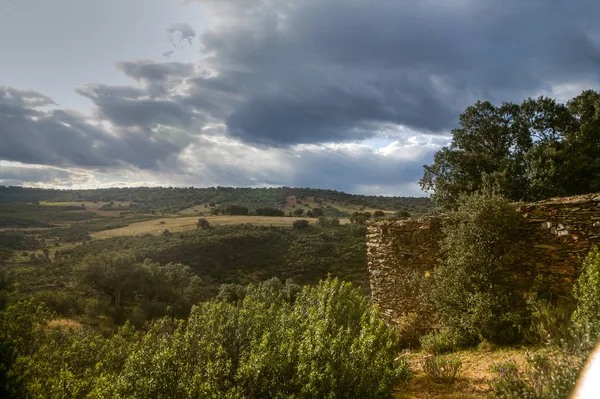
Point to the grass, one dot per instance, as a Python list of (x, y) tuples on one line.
[(474, 379), (158, 226)]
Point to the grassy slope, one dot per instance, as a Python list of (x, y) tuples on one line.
[(158, 226)]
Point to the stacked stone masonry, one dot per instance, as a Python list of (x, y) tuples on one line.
[(557, 235)]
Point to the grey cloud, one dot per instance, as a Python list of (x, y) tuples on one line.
[(59, 137), (284, 72), (315, 71), (185, 31), (158, 78), (127, 108)]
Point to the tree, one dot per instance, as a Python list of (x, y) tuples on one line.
[(300, 224), (114, 273), (298, 212), (472, 291), (203, 224), (378, 214), (530, 151), (316, 212), (235, 210)]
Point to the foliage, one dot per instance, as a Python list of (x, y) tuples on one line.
[(21, 334), (235, 210), (269, 212), (155, 289), (471, 289), (325, 221), (300, 224), (538, 149), (246, 253), (546, 376), (277, 341), (438, 343), (30, 215), (442, 369), (315, 213), (327, 343), (586, 291), (203, 224), (172, 199)]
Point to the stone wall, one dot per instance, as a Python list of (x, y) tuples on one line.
[(557, 235)]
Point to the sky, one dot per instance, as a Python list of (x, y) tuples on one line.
[(351, 95)]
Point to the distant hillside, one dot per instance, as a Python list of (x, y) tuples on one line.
[(168, 199)]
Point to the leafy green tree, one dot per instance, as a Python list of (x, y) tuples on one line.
[(114, 273), (21, 334), (534, 150), (471, 291)]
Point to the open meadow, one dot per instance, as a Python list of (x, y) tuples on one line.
[(174, 225)]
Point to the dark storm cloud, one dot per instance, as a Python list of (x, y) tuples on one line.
[(127, 108), (58, 137), (317, 71), (283, 72)]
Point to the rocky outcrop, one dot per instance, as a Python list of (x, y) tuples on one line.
[(557, 234)]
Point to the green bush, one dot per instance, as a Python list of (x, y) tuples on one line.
[(325, 221), (64, 303), (277, 340), (471, 290), (300, 224), (442, 369), (546, 376), (203, 224), (586, 318), (438, 343), (328, 342)]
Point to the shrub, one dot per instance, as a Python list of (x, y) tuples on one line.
[(325, 221), (472, 291), (438, 343), (328, 342), (442, 369), (300, 224), (550, 323), (586, 318), (203, 224), (546, 376)]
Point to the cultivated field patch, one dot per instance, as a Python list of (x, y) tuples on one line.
[(158, 226)]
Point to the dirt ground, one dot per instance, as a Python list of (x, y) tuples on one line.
[(474, 378)]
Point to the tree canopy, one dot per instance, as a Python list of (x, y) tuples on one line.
[(538, 149)]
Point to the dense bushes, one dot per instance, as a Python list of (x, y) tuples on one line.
[(269, 212), (553, 372), (586, 291), (547, 375), (148, 289), (245, 253), (277, 341), (300, 224), (471, 290)]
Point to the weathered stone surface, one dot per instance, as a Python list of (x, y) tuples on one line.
[(557, 235)]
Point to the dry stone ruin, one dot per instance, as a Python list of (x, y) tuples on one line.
[(557, 235)]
